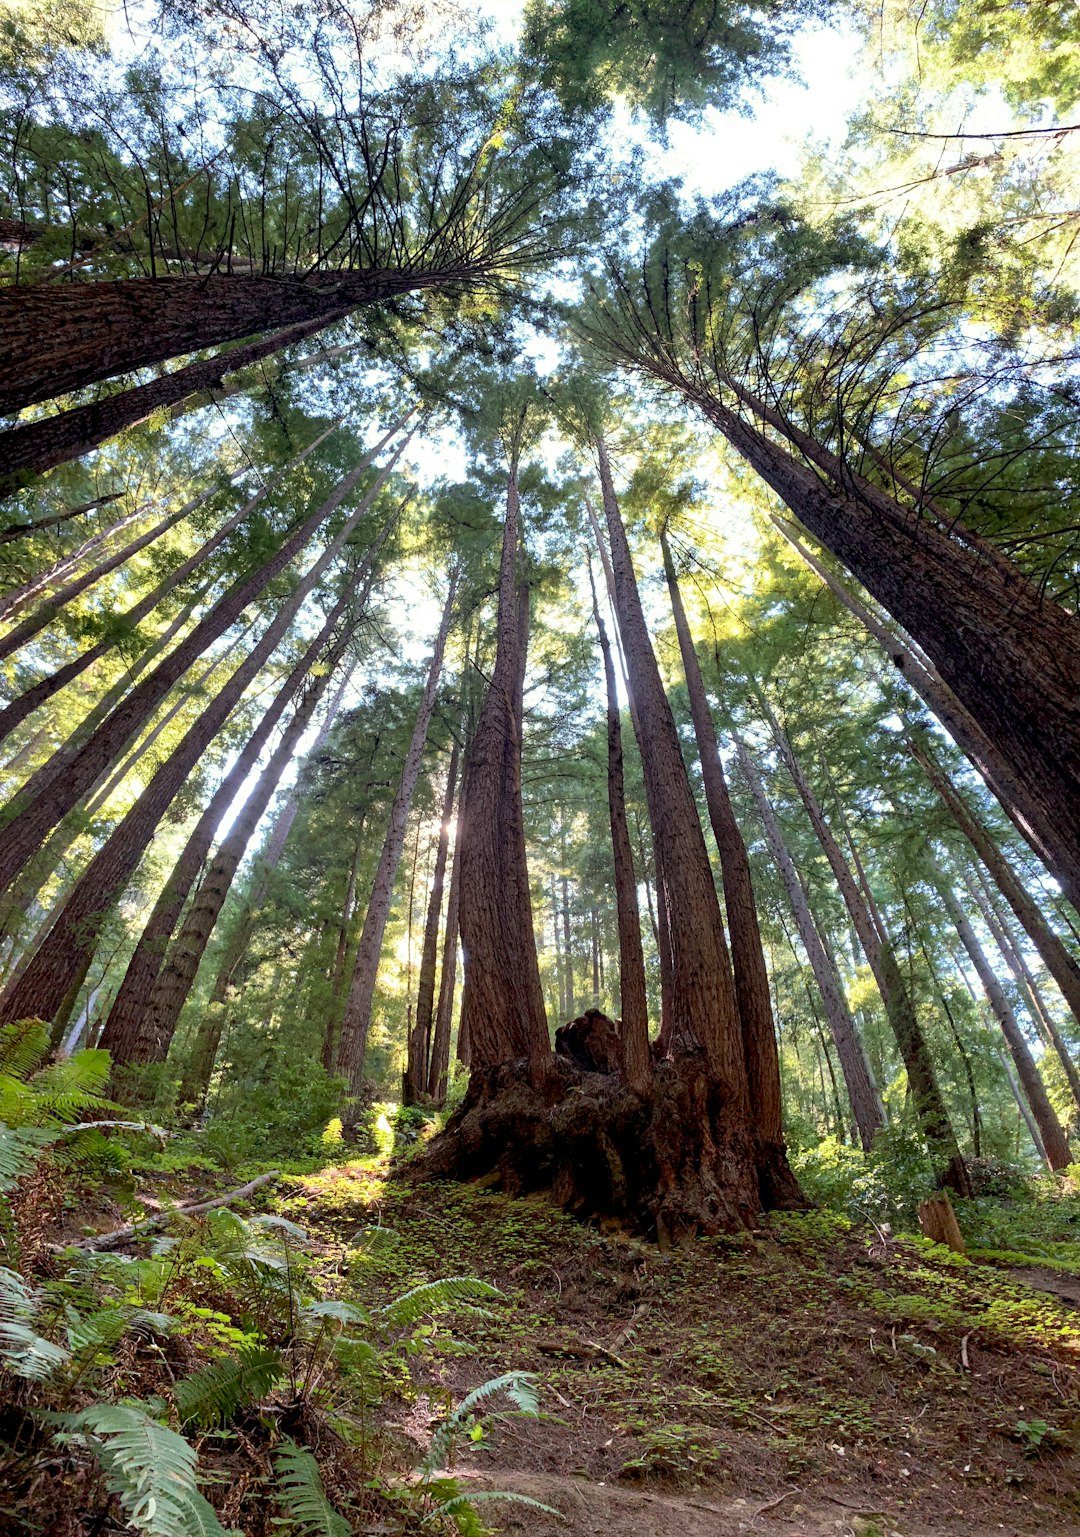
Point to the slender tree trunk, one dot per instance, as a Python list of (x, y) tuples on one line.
[(37, 695), (637, 1061), (177, 976), (1023, 1107), (39, 990), (128, 1033), (31, 448), (570, 1005), (899, 1006), (357, 1018), (961, 1050), (560, 973), (37, 621), (958, 721), (1009, 655), (36, 814), (439, 1070), (595, 940), (1057, 960), (1051, 1134), (862, 1091), (748, 958), (17, 598), (58, 337), (418, 1072), (22, 530), (1014, 958)]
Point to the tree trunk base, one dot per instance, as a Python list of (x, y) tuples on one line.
[(668, 1167)]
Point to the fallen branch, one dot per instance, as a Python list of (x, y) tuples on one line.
[(121, 1235)]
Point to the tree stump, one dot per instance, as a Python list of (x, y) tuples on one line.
[(938, 1222), (592, 1041)]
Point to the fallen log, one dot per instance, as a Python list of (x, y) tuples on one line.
[(102, 1242)]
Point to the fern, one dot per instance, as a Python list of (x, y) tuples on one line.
[(459, 1507), (149, 1468), (212, 1396), (23, 1045), (23, 1351), (413, 1305), (19, 1149), (518, 1386), (301, 1496), (64, 1089)]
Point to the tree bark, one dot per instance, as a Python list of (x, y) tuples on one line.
[(356, 1021), (16, 599), (1057, 960), (862, 1091), (35, 696), (418, 1071), (58, 337), (439, 1069), (899, 1007), (129, 1034), (30, 448), (1009, 655), (37, 993), (36, 811), (958, 721), (568, 951), (634, 1030), (1051, 1133), (748, 958)]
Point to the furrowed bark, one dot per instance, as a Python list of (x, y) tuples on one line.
[(37, 993), (748, 958), (35, 815), (439, 1069)]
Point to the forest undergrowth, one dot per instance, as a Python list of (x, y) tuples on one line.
[(351, 1351)]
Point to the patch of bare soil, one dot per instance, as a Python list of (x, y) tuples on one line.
[(804, 1379)]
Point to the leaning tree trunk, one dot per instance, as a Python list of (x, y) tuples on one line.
[(58, 337), (41, 987), (37, 695), (31, 448), (356, 1021), (1013, 955), (1052, 1136), (958, 721), (748, 958), (1057, 960), (177, 976), (862, 1091), (128, 1035), (36, 525), (36, 813), (417, 1070), (634, 1032), (16, 599), (1011, 656), (895, 995)]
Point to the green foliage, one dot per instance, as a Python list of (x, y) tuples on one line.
[(305, 1508), (212, 1395), (150, 1468), (886, 1184)]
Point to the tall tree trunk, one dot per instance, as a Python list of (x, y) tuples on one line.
[(58, 337), (357, 1017), (1009, 655), (35, 696), (439, 1069), (23, 530), (418, 1074), (17, 598), (39, 990), (560, 973), (1057, 960), (704, 1006), (1014, 958), (899, 1006), (748, 958), (1051, 1134), (862, 1091), (177, 976), (569, 1005), (637, 1061), (37, 813), (31, 448), (22, 633), (594, 937), (958, 721), (128, 1034)]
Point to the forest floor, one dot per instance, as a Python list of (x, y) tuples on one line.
[(809, 1378)]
